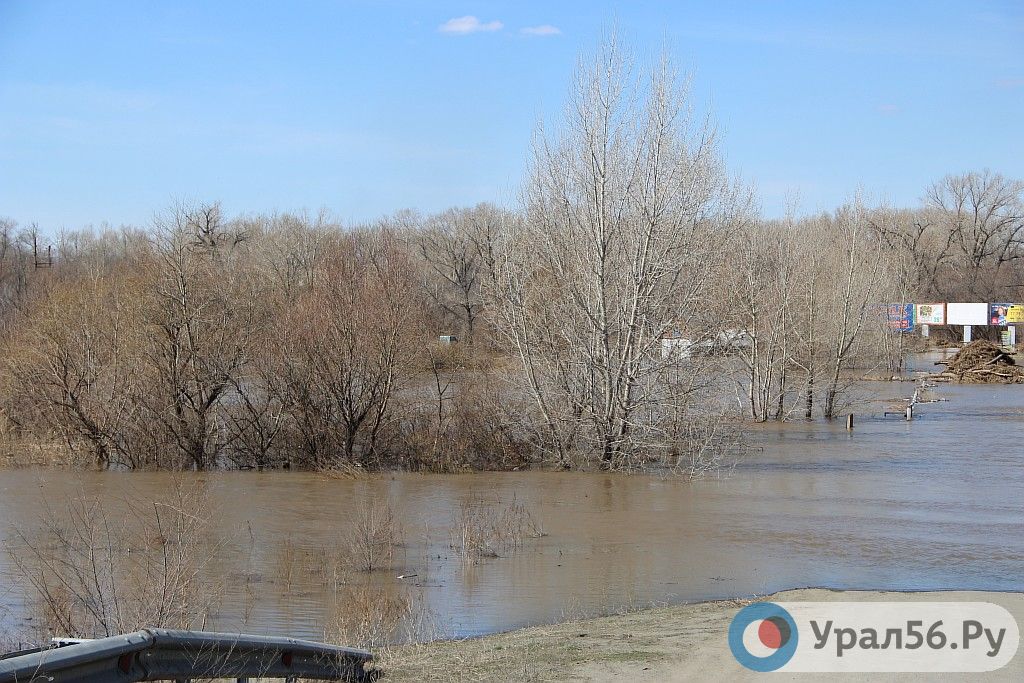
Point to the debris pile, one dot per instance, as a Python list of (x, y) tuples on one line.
[(983, 362)]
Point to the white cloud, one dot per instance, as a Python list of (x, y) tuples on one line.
[(542, 30), (469, 24)]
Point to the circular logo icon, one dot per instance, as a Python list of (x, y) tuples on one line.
[(762, 636)]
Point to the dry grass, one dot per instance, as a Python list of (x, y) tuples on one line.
[(482, 529), (540, 653), (286, 571), (374, 617), (370, 544), (20, 450), (95, 574)]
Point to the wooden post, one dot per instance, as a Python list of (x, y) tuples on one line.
[(910, 413), (849, 422)]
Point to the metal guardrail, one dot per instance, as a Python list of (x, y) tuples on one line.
[(161, 654)]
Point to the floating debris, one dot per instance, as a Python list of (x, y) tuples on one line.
[(982, 362)]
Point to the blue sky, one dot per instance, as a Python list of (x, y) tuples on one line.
[(110, 111)]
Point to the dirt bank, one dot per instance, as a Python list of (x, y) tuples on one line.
[(682, 643)]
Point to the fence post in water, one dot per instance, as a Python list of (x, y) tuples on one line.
[(849, 422), (910, 413)]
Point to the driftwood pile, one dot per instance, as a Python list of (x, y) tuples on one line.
[(982, 362)]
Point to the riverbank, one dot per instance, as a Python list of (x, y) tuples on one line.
[(679, 643)]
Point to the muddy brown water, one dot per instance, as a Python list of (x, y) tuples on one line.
[(937, 503)]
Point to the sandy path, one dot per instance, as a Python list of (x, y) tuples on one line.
[(682, 643)]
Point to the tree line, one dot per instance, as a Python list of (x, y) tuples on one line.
[(288, 340)]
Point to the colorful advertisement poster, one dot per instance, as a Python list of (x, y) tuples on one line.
[(900, 317), (1002, 315), (930, 314)]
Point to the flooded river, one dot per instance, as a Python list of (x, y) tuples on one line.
[(936, 503)]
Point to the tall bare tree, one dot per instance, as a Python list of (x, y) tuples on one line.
[(349, 348), (202, 315), (758, 297), (626, 210), (858, 284), (983, 214)]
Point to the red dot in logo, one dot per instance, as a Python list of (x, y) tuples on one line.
[(770, 634)]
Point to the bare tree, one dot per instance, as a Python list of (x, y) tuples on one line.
[(202, 315), (458, 249), (858, 285), (15, 269), (79, 370), (759, 298), (625, 212), (923, 247), (806, 295), (289, 249), (349, 349), (96, 574), (983, 214)]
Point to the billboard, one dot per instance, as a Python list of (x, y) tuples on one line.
[(967, 314), (900, 317), (930, 314), (1005, 314)]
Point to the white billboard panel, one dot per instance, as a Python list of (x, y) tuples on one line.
[(966, 314), (930, 314)]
